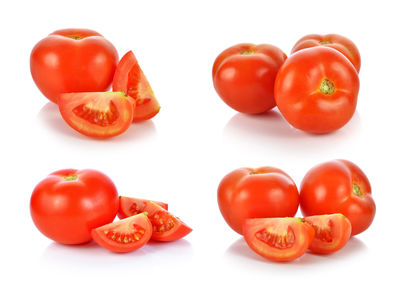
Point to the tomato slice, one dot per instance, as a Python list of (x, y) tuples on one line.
[(331, 232), (130, 79), (97, 114), (166, 227), (278, 239), (124, 235), (130, 206)]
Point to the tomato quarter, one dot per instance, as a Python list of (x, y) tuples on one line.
[(129, 206)]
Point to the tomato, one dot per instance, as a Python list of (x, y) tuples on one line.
[(130, 79), (73, 60), (331, 232), (316, 90), (278, 239), (99, 115), (256, 193), (338, 42), (244, 76), (338, 186), (130, 206), (124, 235), (166, 227), (69, 203)]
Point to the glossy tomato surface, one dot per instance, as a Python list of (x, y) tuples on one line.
[(130, 206), (124, 235), (278, 239), (338, 186), (316, 90), (69, 203), (130, 79), (73, 60), (244, 76), (338, 42), (98, 115), (256, 193)]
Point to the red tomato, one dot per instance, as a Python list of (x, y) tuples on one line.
[(73, 60), (316, 90), (130, 79), (338, 186), (331, 232), (278, 239), (256, 193), (99, 115), (124, 235), (244, 76), (130, 206), (166, 227), (68, 204), (338, 42)]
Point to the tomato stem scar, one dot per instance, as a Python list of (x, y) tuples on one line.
[(71, 177), (247, 52), (75, 37), (357, 189), (327, 87), (325, 42)]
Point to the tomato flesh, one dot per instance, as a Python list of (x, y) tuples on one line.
[(130, 206)]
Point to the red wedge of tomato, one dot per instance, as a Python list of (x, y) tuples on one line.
[(97, 114), (278, 239), (124, 235), (166, 227), (331, 232), (130, 79), (130, 206)]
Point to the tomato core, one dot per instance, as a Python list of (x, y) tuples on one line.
[(325, 42), (327, 87), (357, 189), (278, 238), (247, 52), (71, 177), (95, 116), (162, 222), (324, 233)]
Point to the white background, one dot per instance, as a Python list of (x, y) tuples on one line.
[(196, 139)]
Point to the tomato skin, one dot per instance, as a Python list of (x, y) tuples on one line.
[(129, 206), (338, 42), (256, 193), (303, 89), (338, 186), (73, 60), (68, 204), (244, 76)]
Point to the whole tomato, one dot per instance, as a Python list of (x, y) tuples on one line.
[(68, 204), (71, 61), (316, 90), (338, 42), (244, 76), (256, 193), (338, 186)]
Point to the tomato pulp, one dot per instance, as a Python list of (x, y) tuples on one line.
[(130, 206)]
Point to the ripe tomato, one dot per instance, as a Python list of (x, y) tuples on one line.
[(166, 227), (99, 115), (130, 79), (278, 239), (331, 232), (256, 193), (244, 76), (124, 235), (338, 42), (73, 60), (130, 206), (316, 90), (338, 186), (68, 204)]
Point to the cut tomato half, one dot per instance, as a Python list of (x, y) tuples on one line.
[(97, 114), (130, 79), (278, 239), (166, 227), (331, 232), (130, 206), (124, 235)]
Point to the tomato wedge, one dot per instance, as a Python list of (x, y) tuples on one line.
[(130, 79), (130, 206), (97, 114), (166, 227), (331, 232), (124, 235), (278, 239)]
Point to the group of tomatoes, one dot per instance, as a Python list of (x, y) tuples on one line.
[(260, 204), (75, 67), (75, 206), (315, 88)]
